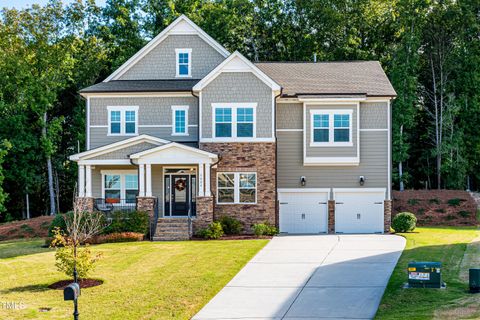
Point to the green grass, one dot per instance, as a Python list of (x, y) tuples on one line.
[(447, 245), (143, 280)]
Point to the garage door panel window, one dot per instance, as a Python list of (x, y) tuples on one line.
[(331, 128), (236, 187)]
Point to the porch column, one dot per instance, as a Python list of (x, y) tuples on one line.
[(88, 181), (208, 192), (148, 188), (141, 180), (201, 167), (81, 181)]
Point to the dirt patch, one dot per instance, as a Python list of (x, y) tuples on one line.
[(437, 207), (33, 228), (84, 283)]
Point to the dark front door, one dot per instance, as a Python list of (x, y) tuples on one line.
[(180, 195)]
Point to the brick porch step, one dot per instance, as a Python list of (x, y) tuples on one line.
[(169, 229)]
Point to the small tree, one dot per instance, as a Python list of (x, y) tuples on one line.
[(81, 226)]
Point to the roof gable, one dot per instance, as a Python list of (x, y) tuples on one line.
[(181, 26), (236, 62)]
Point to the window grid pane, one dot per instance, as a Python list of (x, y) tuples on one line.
[(131, 181), (245, 122), (223, 122), (320, 121), (225, 186), (183, 63), (341, 121), (247, 187), (180, 121), (115, 121)]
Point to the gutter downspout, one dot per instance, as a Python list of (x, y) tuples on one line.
[(199, 115), (211, 191), (277, 209)]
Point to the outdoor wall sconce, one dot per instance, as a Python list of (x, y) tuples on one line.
[(361, 180), (303, 181)]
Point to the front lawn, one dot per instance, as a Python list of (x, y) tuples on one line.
[(143, 280), (447, 245)]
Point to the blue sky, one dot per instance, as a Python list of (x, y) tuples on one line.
[(20, 4)]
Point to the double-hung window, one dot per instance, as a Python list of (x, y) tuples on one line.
[(234, 120), (120, 187), (180, 120), (236, 187), (331, 128), (122, 120), (183, 62)]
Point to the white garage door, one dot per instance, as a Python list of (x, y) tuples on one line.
[(359, 212), (303, 212)]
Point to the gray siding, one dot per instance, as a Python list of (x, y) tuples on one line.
[(289, 116), (151, 111), (160, 62), (237, 87), (125, 152), (373, 164), (374, 115), (331, 151)]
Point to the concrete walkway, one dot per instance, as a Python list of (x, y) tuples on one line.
[(310, 277)]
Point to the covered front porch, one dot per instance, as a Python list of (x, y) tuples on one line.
[(167, 180)]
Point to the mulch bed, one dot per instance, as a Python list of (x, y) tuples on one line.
[(437, 207), (84, 283), (33, 228), (236, 237)]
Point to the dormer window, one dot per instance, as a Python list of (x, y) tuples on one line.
[(184, 62)]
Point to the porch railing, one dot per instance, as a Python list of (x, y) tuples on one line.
[(108, 206)]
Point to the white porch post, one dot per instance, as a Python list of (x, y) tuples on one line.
[(208, 192), (148, 188), (81, 181), (201, 167), (88, 181), (141, 180)]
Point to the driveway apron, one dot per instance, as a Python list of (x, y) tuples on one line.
[(310, 277)]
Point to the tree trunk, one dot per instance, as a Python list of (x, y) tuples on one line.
[(27, 200), (400, 164), (50, 171)]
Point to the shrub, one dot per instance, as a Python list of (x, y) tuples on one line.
[(64, 256), (413, 202), (231, 225), (434, 201), (464, 214), (264, 229), (451, 217), (454, 202), (26, 228), (117, 237), (404, 222), (58, 222), (213, 231), (124, 221), (440, 210), (421, 212)]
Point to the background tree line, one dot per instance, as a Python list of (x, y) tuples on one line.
[(430, 50)]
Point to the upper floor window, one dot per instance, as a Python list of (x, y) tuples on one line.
[(184, 62), (122, 120), (234, 120), (331, 127), (179, 120)]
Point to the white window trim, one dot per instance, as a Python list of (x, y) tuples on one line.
[(177, 53), (123, 110), (183, 108), (236, 188), (234, 107), (121, 173), (331, 128)]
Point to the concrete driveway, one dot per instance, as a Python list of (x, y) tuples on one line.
[(310, 277)]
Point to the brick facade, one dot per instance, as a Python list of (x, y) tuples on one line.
[(146, 204), (247, 157), (331, 216), (387, 213), (85, 203), (204, 213)]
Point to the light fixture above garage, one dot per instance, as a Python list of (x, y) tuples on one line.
[(361, 180), (303, 181)]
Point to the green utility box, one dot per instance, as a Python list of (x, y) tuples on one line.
[(425, 275)]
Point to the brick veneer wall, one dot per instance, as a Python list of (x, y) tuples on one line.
[(387, 215), (146, 204), (331, 216), (204, 213), (247, 157)]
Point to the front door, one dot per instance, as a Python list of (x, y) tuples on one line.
[(180, 195)]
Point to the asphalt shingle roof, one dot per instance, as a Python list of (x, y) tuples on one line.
[(329, 78), (142, 86)]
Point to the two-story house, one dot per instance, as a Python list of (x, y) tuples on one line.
[(191, 132)]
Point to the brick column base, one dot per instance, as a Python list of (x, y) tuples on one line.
[(387, 215), (204, 213), (331, 216), (146, 204), (85, 204)]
